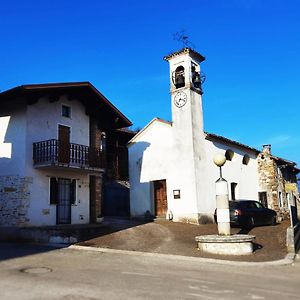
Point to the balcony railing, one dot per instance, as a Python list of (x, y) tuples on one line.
[(57, 153)]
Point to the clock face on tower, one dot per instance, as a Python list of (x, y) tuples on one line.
[(180, 99)]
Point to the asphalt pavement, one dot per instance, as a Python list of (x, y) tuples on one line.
[(39, 272)]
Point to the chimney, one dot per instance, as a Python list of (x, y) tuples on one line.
[(266, 148)]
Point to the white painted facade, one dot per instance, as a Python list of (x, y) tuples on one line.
[(152, 157), (43, 119), (23, 125), (182, 154)]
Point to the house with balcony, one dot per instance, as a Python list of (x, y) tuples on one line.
[(54, 157)]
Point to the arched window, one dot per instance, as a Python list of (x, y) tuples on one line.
[(229, 154), (246, 159), (178, 77)]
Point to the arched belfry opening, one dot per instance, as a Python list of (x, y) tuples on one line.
[(178, 77), (196, 80), (197, 77)]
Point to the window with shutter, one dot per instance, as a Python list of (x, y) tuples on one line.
[(53, 190), (73, 192)]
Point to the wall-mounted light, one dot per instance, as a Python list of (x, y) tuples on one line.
[(176, 194)]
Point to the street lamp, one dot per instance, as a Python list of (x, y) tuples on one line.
[(223, 216)]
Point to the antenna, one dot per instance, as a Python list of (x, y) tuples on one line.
[(183, 38)]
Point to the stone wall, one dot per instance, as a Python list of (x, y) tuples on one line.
[(272, 182), (14, 200), (267, 172), (96, 195)]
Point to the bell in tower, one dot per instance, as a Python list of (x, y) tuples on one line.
[(185, 70), (197, 77), (178, 77)]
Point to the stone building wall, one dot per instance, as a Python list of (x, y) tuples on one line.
[(272, 182), (98, 198), (268, 183), (14, 200)]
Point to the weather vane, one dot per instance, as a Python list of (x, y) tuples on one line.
[(183, 38)]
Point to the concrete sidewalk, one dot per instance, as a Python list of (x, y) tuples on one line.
[(166, 237)]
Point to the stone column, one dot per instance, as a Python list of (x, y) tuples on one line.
[(222, 199)]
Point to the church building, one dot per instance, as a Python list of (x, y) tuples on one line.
[(171, 169)]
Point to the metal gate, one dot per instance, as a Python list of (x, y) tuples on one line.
[(63, 207)]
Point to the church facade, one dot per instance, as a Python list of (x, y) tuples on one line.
[(171, 167)]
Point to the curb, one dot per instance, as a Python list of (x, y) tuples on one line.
[(289, 258)]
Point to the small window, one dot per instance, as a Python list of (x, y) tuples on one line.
[(66, 111), (246, 159), (233, 186), (262, 197), (280, 202), (229, 154)]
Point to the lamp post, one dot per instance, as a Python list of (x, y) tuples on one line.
[(223, 217)]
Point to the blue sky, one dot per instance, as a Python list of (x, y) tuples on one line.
[(252, 65)]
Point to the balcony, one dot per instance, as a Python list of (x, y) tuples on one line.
[(57, 154)]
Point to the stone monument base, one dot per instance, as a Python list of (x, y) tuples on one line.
[(238, 244)]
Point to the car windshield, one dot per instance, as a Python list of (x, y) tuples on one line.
[(253, 204), (258, 205), (245, 204)]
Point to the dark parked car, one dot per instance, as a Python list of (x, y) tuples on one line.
[(249, 213)]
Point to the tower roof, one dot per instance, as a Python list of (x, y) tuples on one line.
[(196, 55)]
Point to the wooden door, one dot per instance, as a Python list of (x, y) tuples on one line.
[(63, 144), (160, 198)]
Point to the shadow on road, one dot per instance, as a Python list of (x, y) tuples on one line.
[(15, 250), (30, 241)]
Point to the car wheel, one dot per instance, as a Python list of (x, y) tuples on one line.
[(250, 222)]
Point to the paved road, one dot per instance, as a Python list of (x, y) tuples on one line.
[(35, 272)]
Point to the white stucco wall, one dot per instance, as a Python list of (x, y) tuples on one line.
[(41, 212), (23, 125), (246, 176), (152, 157), (12, 141), (149, 159), (189, 161), (43, 119)]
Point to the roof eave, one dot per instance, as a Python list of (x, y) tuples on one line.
[(23, 89)]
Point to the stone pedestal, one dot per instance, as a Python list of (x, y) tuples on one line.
[(239, 244)]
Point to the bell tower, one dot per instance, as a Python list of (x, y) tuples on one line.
[(188, 136)]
